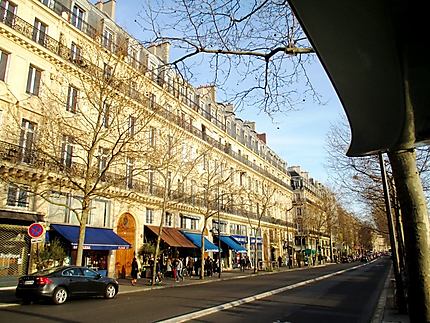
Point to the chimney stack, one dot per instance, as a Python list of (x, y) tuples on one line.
[(108, 7)]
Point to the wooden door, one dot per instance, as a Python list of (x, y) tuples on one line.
[(126, 229)]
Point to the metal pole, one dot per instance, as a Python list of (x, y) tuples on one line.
[(219, 238), (401, 302)]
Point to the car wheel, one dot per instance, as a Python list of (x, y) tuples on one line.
[(110, 291), (60, 295)]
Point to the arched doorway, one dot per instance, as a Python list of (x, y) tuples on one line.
[(126, 229)]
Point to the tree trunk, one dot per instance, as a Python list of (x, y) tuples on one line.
[(82, 228), (202, 251), (416, 228)]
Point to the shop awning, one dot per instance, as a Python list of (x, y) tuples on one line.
[(95, 238), (232, 244), (196, 238), (173, 237)]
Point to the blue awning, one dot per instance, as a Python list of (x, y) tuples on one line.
[(95, 238), (233, 244), (196, 238)]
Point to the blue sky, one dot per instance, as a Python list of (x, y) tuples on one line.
[(297, 136)]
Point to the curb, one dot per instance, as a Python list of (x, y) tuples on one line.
[(378, 315)]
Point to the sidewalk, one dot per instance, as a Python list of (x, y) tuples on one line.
[(385, 311)]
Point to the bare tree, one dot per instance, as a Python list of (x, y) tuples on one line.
[(86, 135), (257, 45), (260, 198), (213, 190), (171, 160)]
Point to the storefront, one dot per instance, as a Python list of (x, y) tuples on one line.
[(98, 244), (231, 249), (15, 243)]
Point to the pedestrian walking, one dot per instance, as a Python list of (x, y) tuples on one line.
[(134, 271), (179, 267)]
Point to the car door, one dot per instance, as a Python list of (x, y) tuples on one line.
[(74, 280), (93, 281)]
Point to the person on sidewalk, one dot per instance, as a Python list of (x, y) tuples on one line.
[(179, 267), (134, 271)]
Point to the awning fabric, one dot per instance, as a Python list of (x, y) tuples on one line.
[(173, 237), (196, 239), (95, 238), (232, 244)]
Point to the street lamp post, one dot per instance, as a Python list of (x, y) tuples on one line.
[(219, 236)]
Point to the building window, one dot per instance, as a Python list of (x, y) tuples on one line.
[(4, 59), (152, 101), (129, 173), (105, 115), (33, 80), (238, 229), (131, 125), (39, 31), (78, 17), (100, 213), (149, 216), (107, 72), (75, 53), (7, 12), (67, 151), (72, 99), (189, 222), (168, 219), (222, 226), (107, 40), (103, 160), (28, 129), (17, 196), (152, 136), (151, 182)]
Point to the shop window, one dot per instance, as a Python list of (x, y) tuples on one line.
[(17, 196)]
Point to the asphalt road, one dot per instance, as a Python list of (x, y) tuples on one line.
[(352, 295)]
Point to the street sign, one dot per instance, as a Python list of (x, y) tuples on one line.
[(35, 230)]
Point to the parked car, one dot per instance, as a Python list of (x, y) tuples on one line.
[(60, 283)]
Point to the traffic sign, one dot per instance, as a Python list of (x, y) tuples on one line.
[(35, 230)]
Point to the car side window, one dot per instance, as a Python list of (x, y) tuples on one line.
[(89, 273), (72, 272)]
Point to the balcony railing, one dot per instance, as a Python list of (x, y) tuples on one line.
[(56, 47), (118, 48)]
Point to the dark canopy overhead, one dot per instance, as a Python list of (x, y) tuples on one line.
[(373, 52)]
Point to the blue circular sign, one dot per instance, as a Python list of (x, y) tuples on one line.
[(35, 230)]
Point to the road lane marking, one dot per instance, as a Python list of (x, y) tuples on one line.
[(225, 306)]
